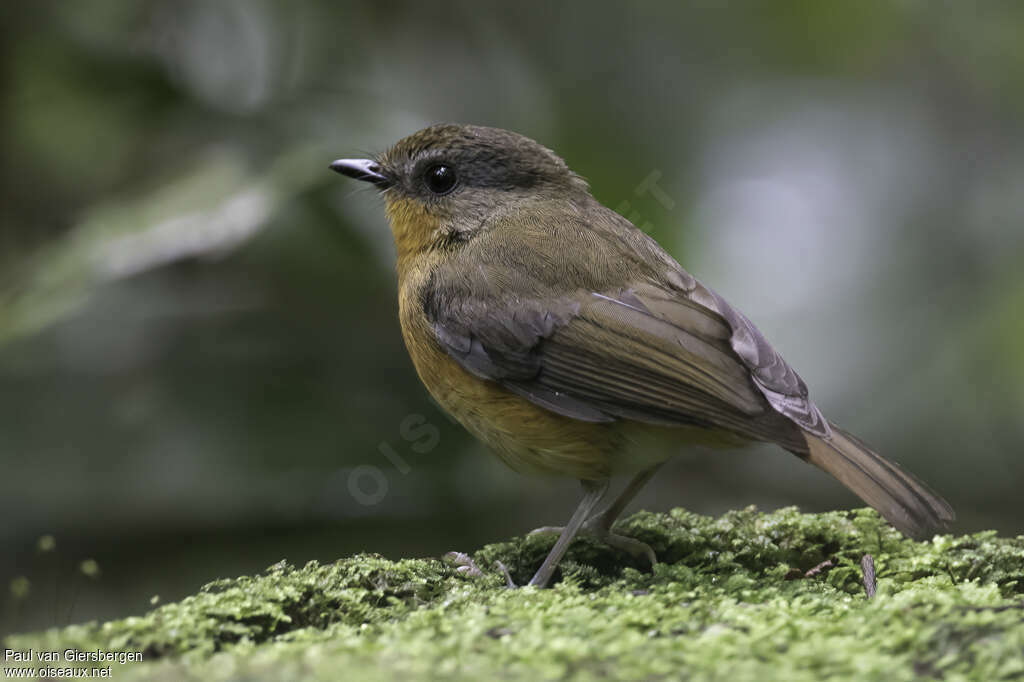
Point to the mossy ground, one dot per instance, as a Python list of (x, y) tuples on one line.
[(730, 601)]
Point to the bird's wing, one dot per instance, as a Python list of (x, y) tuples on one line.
[(779, 383), (645, 350), (617, 330)]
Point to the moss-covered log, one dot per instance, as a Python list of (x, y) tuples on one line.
[(745, 596)]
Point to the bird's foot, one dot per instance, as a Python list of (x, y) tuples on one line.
[(547, 530), (464, 564), (509, 583), (631, 546), (597, 528)]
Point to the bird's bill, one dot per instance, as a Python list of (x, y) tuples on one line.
[(366, 170)]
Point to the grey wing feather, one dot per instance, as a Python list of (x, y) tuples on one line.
[(658, 347), (609, 356), (780, 384), (502, 345), (494, 340)]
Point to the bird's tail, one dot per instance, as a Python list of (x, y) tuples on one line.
[(907, 503)]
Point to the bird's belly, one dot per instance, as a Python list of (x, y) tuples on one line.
[(528, 438), (531, 439)]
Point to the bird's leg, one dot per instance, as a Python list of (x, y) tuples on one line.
[(593, 491), (599, 525), (607, 517)]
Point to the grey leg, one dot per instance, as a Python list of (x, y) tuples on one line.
[(599, 525), (592, 494), (607, 517)]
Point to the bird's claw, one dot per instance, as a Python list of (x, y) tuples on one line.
[(511, 584), (596, 528), (547, 530), (630, 546), (464, 564)]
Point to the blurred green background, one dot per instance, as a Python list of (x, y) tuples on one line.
[(201, 371)]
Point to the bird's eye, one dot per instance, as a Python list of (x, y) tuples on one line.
[(440, 179)]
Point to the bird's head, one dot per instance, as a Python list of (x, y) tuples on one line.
[(445, 183)]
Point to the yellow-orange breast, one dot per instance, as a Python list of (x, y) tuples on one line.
[(528, 438)]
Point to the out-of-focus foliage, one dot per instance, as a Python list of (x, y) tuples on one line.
[(200, 367)]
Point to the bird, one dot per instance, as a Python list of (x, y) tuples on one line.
[(572, 344)]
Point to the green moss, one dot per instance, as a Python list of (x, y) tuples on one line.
[(730, 600)]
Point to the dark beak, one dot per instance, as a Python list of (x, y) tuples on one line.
[(367, 170)]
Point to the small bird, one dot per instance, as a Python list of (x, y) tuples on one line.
[(572, 344)]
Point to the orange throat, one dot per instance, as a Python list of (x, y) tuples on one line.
[(414, 230)]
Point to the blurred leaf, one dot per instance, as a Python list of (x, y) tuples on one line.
[(210, 210)]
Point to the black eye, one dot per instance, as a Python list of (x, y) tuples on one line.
[(440, 179)]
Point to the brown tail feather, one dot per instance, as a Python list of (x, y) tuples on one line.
[(907, 503)]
